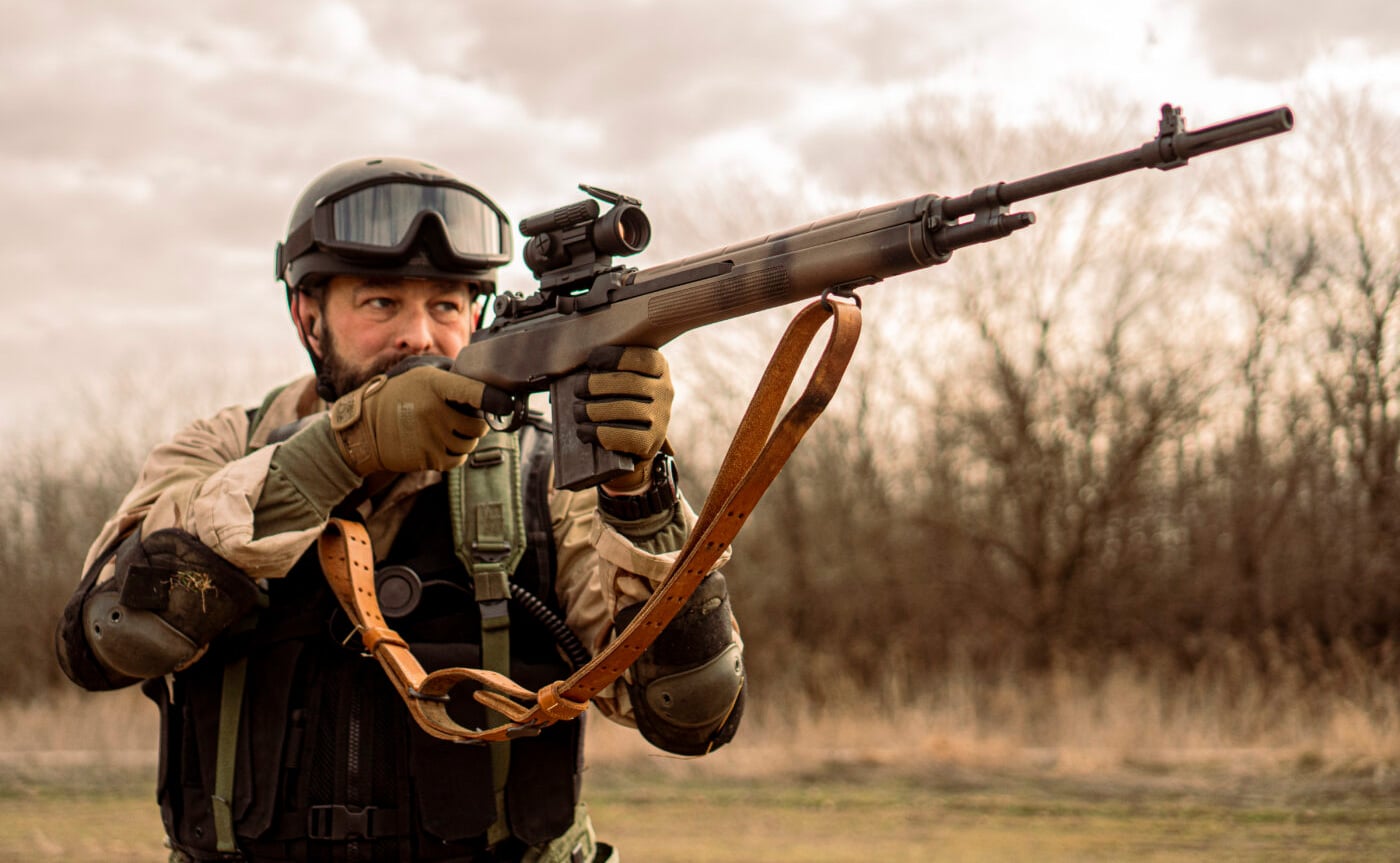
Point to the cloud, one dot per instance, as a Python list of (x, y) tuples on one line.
[(154, 135), (152, 151), (1270, 39)]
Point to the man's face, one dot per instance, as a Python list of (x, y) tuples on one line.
[(367, 326)]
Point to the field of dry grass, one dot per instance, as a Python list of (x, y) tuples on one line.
[(1065, 722), (1126, 767)]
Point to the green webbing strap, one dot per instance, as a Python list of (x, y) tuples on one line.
[(226, 754), (488, 515), (488, 526), (231, 702), (255, 417)]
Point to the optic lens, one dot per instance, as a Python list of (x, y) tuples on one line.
[(623, 230), (634, 229)]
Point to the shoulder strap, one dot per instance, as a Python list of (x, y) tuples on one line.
[(256, 415), (231, 697), (536, 471), (488, 529), (488, 515)]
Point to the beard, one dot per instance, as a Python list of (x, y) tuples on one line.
[(338, 376)]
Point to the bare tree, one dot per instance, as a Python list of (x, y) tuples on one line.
[(1076, 389), (1339, 262)]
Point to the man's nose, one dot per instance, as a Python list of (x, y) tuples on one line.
[(415, 333)]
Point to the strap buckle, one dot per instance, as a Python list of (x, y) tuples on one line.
[(337, 822)]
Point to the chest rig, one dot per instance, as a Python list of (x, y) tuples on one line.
[(286, 741)]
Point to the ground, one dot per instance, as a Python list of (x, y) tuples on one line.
[(841, 811)]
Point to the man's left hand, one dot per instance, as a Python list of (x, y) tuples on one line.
[(625, 406)]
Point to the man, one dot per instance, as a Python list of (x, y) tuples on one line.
[(281, 740)]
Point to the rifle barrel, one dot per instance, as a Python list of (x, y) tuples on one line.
[(1164, 151)]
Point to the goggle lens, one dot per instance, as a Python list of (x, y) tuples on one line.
[(381, 216)]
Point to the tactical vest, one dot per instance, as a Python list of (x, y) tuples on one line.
[(319, 759)]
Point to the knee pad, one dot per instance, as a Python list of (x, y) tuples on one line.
[(687, 689), (170, 596)]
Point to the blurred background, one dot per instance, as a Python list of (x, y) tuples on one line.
[(1125, 480)]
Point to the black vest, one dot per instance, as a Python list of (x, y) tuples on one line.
[(328, 755)]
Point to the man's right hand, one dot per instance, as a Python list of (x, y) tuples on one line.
[(423, 419)]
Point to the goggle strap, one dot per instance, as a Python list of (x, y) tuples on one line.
[(298, 242)]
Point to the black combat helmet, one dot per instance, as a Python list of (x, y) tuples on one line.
[(393, 217), (389, 217)]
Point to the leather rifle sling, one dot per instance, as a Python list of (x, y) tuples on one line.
[(755, 456)]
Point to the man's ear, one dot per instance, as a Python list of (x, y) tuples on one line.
[(306, 314)]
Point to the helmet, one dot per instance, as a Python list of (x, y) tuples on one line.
[(392, 217)]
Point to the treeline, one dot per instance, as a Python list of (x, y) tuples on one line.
[(1160, 425), (52, 504), (1169, 433)]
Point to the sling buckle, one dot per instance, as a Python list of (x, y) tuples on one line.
[(338, 822)]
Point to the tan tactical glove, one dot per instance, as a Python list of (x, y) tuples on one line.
[(423, 419), (625, 405)]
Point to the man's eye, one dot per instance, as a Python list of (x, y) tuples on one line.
[(380, 303), (449, 307)]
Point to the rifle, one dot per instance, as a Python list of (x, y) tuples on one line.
[(542, 341)]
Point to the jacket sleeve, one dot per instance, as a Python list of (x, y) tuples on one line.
[(601, 569), (203, 502), (259, 511)]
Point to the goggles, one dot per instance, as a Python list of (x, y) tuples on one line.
[(386, 220)]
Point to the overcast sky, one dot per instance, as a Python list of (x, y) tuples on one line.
[(150, 151)]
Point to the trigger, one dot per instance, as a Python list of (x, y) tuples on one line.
[(504, 412)]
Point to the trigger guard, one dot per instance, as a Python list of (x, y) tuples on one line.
[(520, 409)]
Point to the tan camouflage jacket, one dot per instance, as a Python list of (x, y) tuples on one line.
[(262, 506)]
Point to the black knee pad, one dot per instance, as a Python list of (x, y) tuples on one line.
[(687, 689)]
